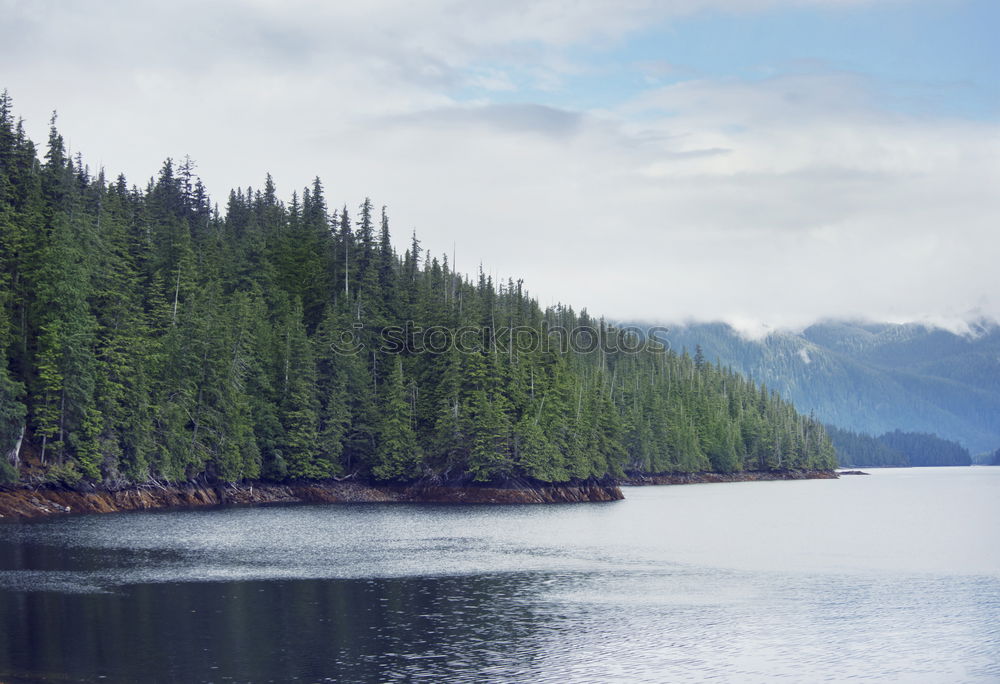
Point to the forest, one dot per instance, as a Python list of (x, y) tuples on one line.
[(896, 448), (148, 335)]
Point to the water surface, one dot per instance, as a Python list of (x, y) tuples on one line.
[(890, 577)]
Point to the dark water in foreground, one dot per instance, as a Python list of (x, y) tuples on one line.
[(891, 577)]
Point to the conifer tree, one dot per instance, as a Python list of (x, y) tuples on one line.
[(300, 405), (398, 454)]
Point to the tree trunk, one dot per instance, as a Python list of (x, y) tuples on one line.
[(14, 455), (177, 294)]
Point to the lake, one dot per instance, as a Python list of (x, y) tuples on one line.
[(893, 576)]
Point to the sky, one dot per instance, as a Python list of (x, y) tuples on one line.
[(762, 162)]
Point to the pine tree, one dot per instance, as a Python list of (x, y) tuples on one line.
[(65, 413), (334, 412), (300, 405), (12, 413), (534, 454), (398, 454)]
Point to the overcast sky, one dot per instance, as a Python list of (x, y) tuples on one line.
[(758, 161)]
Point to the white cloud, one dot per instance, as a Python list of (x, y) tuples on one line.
[(783, 200)]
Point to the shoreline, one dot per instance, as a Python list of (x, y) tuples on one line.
[(27, 502), (642, 479)]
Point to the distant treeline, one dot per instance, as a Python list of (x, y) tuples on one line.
[(897, 448), (145, 334)]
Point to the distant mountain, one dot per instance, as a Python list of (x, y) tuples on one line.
[(872, 377)]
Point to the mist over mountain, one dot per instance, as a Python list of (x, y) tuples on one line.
[(872, 377)]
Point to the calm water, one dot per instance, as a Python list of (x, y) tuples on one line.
[(891, 577)]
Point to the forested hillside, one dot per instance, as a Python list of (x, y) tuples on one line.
[(148, 334), (896, 448), (870, 377), (858, 449)]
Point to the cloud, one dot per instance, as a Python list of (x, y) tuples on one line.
[(784, 201), (780, 199), (517, 118)]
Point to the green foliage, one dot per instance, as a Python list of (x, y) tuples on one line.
[(895, 448), (534, 455), (299, 402), (8, 473), (922, 449), (857, 449), (397, 454), (65, 474), (145, 335), (12, 413)]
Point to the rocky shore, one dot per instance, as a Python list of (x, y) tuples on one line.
[(41, 501), (636, 479), (45, 500)]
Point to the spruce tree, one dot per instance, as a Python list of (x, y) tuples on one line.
[(398, 453)]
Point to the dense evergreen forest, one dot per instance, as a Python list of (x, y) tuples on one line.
[(922, 449), (896, 448), (858, 449), (148, 335)]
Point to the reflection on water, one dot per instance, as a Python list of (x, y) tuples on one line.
[(800, 580)]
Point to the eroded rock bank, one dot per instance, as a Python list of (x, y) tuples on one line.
[(41, 501), (565, 493), (746, 476), (36, 502)]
